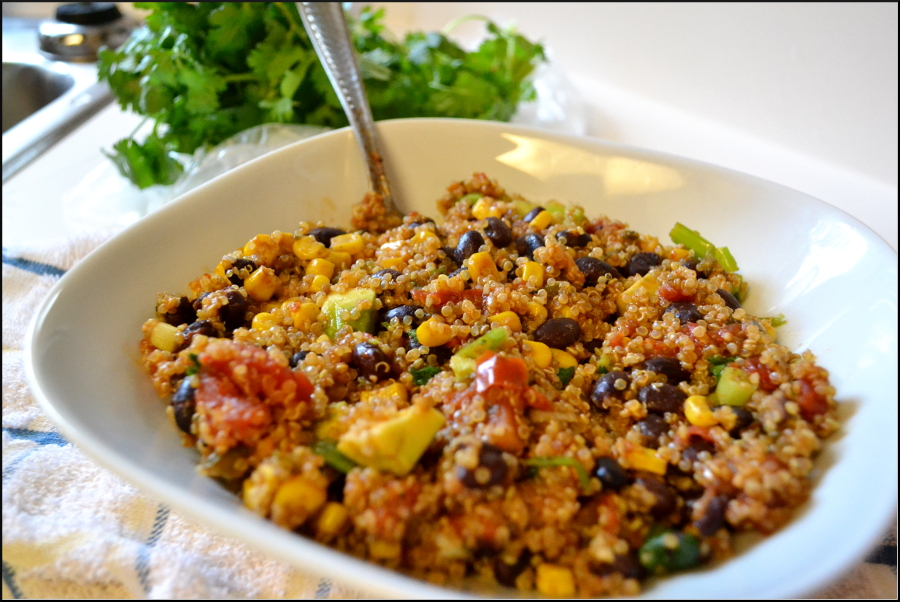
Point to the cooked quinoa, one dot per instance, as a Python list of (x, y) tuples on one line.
[(522, 394)]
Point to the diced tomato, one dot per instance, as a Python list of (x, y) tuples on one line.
[(442, 298), (811, 403), (500, 371), (671, 294), (765, 382), (504, 422)]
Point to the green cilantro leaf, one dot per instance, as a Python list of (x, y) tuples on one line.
[(565, 375), (423, 375)]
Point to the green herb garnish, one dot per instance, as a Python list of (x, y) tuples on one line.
[(776, 321), (327, 448), (423, 375), (702, 248), (717, 363), (565, 375), (202, 72), (194, 368), (561, 461)]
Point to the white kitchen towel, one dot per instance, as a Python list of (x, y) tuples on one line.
[(71, 529)]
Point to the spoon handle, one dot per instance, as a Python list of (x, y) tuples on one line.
[(328, 32)]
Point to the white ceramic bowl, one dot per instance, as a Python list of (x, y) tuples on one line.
[(834, 279)]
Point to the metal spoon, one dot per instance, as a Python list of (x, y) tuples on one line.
[(327, 29)]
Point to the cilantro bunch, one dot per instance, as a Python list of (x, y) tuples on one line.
[(203, 72)]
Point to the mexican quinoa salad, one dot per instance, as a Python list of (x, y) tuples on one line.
[(519, 394)]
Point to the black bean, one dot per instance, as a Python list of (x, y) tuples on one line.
[(198, 302), (744, 419), (668, 367), (666, 500), (528, 244), (558, 333), (629, 566), (652, 428), (697, 445), (204, 327), (324, 235), (298, 357), (641, 263), (713, 518), (662, 397), (419, 222), (456, 272), (400, 312), (442, 354), (606, 387), (533, 213), (506, 574), (491, 469), (184, 404), (371, 361), (234, 313), (573, 239), (610, 473), (729, 299), (183, 314), (685, 311), (336, 488), (240, 266), (469, 243), (692, 264), (450, 252), (387, 273), (593, 269), (499, 233)]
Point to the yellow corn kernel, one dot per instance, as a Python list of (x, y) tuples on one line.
[(554, 580), (644, 458), (422, 236), (320, 267), (395, 391), (540, 353), (303, 314), (696, 410), (537, 312), (262, 284), (677, 254), (163, 337), (263, 321), (284, 240), (318, 283), (564, 359), (481, 264), (432, 333), (308, 247), (541, 220), (264, 247), (220, 270), (509, 319), (347, 243), (392, 263), (296, 500), (332, 519), (533, 273), (384, 550), (484, 209), (334, 424)]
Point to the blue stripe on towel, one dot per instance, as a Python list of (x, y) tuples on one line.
[(142, 566), (39, 437), (9, 577), (324, 589), (35, 267)]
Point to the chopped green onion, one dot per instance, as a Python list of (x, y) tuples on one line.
[(471, 198), (561, 461), (327, 448), (725, 259), (423, 375), (776, 321), (691, 239)]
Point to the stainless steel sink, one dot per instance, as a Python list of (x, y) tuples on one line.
[(43, 100), (29, 88)]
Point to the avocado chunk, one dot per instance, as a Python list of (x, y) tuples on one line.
[(338, 306), (735, 387), (396, 444)]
